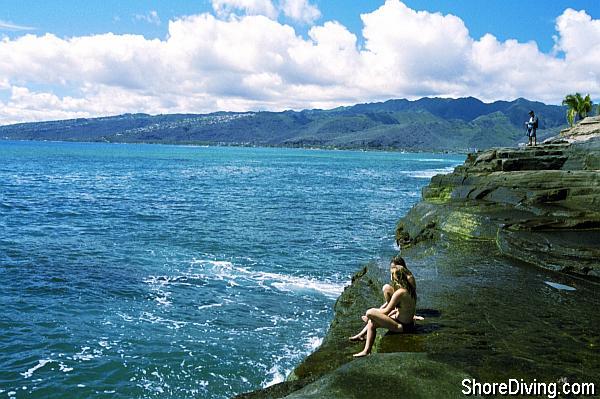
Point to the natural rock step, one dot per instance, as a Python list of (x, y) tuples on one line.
[(529, 154), (547, 162), (569, 251), (590, 121), (575, 191)]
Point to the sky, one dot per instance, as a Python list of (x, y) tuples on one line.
[(67, 58)]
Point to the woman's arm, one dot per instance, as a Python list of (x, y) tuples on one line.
[(393, 302)]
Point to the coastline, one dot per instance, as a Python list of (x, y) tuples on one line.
[(490, 312), (248, 145)]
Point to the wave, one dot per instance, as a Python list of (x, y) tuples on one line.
[(281, 282), (428, 173), (278, 372), (204, 270), (41, 363), (276, 375)]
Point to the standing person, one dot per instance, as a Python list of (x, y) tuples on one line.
[(532, 125), (397, 314)]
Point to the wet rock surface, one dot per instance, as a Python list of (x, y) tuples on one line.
[(475, 243), (487, 317)]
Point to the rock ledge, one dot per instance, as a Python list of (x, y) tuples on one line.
[(539, 204)]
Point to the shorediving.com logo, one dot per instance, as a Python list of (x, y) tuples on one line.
[(523, 388)]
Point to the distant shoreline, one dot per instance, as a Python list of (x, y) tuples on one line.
[(426, 125), (247, 145)]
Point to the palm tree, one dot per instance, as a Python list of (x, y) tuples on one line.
[(577, 106)]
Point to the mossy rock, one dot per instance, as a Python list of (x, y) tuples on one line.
[(390, 375)]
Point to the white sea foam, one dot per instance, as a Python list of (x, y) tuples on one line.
[(276, 376), (212, 305), (428, 173), (284, 282), (278, 372), (62, 367), (204, 270), (125, 317), (313, 343), (163, 300), (84, 355), (153, 319), (41, 363), (291, 283)]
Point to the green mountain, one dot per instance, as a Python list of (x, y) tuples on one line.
[(436, 124)]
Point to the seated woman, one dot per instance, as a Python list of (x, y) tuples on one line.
[(397, 314)]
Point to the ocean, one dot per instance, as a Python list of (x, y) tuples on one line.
[(158, 271)]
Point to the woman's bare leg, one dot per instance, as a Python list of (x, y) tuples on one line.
[(380, 319), (377, 319), (360, 336), (388, 291), (371, 334)]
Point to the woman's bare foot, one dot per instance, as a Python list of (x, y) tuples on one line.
[(415, 317), (360, 354), (357, 337)]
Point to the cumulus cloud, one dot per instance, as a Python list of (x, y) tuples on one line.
[(251, 61), (300, 10), (224, 8)]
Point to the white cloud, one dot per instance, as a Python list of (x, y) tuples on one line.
[(151, 17), (5, 25), (249, 62), (224, 8), (423, 49), (300, 10)]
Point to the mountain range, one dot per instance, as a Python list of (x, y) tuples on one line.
[(428, 124)]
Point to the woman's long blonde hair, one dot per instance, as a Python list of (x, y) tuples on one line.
[(400, 274)]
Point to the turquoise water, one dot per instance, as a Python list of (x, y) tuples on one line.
[(145, 271)]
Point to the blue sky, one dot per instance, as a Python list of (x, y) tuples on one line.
[(57, 59), (506, 19)]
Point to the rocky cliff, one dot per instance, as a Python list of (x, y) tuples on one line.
[(538, 204), (476, 242)]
